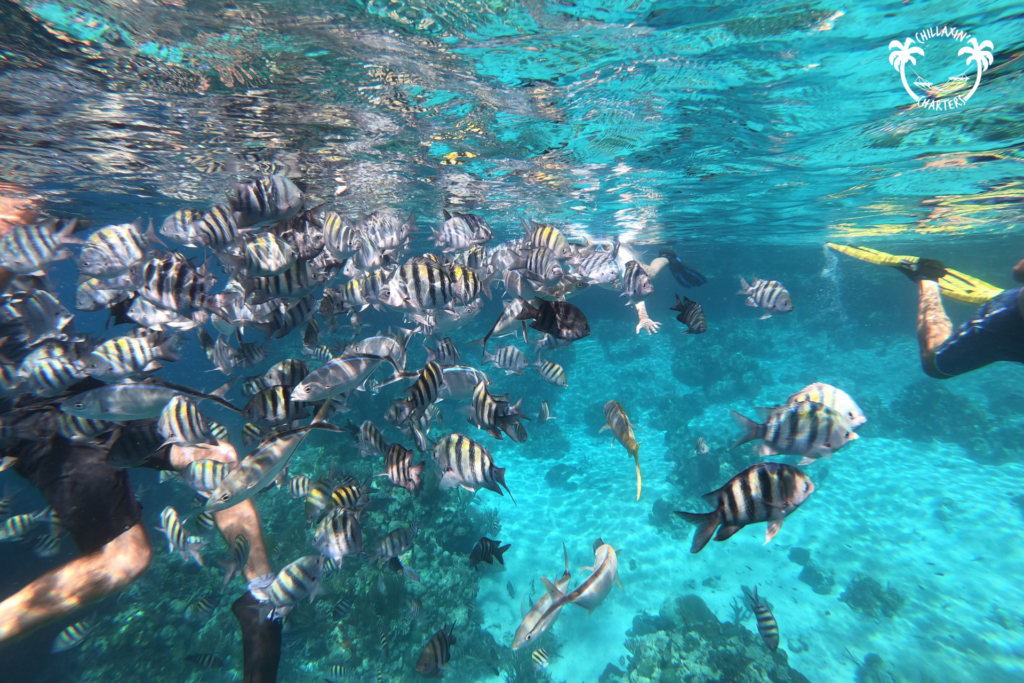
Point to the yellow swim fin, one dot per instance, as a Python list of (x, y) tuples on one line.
[(953, 284)]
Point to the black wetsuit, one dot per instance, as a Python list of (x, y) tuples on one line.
[(995, 333)]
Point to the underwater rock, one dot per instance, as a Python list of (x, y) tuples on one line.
[(800, 556), (559, 475), (821, 581), (724, 373), (691, 645), (546, 442), (865, 595), (875, 670)]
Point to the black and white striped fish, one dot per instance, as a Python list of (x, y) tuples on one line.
[(462, 231), (690, 314), (129, 356), (466, 284), (75, 428), (206, 661), (370, 440), (508, 358), (218, 228), (179, 227), (269, 199), (340, 235), (251, 434), (171, 283), (29, 248), (768, 295), (182, 424), (467, 464), (488, 550), (766, 624), (204, 475), (436, 653), (636, 284), (72, 636), (540, 658), (296, 282), (810, 429), (545, 413), (386, 230), (272, 407), (322, 353), (178, 539), (50, 376), (421, 394), (549, 237), (552, 372), (418, 287), (239, 558), (288, 587), (298, 485), (767, 492), (339, 534), (286, 373), (396, 543), (201, 609), (261, 255), (540, 264), (112, 250), (446, 355), (400, 470)]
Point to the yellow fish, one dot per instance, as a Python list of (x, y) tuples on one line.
[(618, 422)]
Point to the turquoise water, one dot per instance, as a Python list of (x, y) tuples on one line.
[(746, 135)]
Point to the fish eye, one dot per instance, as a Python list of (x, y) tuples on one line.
[(79, 406)]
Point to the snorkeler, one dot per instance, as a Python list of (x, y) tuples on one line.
[(994, 333), (95, 503)]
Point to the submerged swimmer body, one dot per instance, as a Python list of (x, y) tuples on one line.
[(995, 333)]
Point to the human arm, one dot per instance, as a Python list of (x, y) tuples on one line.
[(645, 322)]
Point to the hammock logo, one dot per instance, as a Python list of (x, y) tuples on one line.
[(935, 92)]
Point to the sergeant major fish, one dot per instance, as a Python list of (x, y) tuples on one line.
[(805, 428), (691, 315), (766, 624), (767, 492), (768, 295)]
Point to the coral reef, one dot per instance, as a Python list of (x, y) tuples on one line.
[(724, 373), (821, 581), (687, 642), (865, 595)]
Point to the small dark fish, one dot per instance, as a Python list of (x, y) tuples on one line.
[(201, 609), (766, 492), (436, 653), (560, 319), (766, 624), (691, 315), (415, 605), (488, 551), (511, 589), (684, 274), (206, 661), (342, 609)]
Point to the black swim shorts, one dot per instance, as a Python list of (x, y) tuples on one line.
[(93, 500), (995, 333)]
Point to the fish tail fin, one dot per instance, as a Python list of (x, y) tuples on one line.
[(528, 312), (706, 523), (498, 552), (678, 305), (752, 430), (744, 287), (485, 285), (168, 350)]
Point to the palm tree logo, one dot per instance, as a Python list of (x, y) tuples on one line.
[(904, 53), (980, 56)]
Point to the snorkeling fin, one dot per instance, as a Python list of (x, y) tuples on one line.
[(953, 284)]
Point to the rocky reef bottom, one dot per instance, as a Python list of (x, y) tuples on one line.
[(686, 643)]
